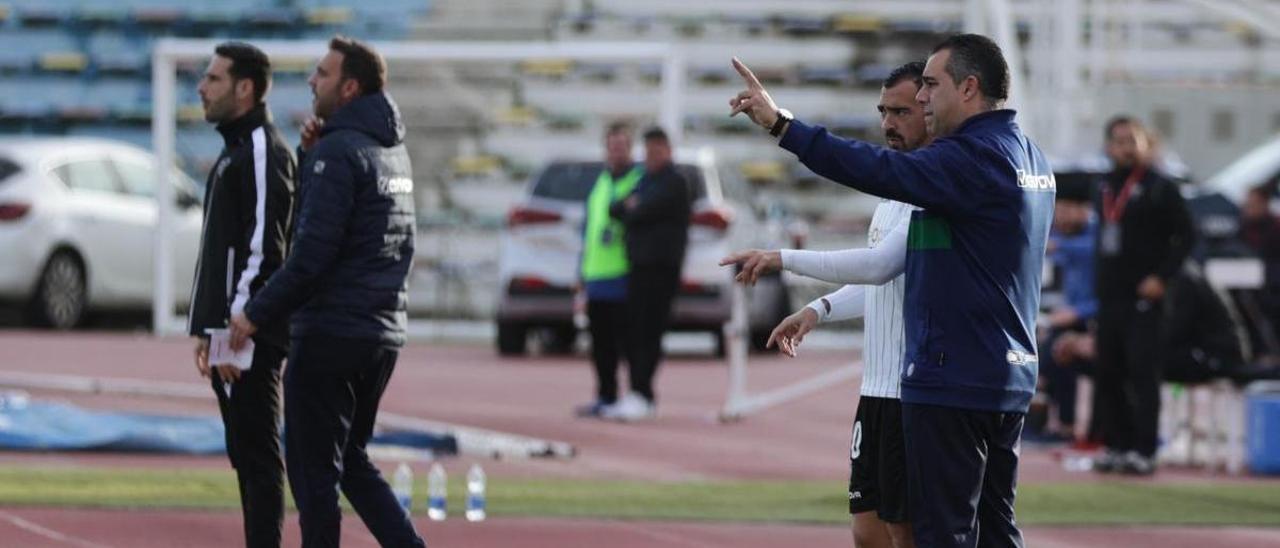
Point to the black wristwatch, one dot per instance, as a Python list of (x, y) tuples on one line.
[(784, 117)]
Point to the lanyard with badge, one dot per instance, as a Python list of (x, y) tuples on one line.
[(1113, 207)]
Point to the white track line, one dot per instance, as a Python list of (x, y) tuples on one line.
[(46, 532)]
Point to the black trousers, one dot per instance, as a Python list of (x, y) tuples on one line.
[(1128, 377), (331, 389), (963, 470), (651, 289), (608, 321), (251, 415)]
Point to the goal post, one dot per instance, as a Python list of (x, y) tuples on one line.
[(168, 52)]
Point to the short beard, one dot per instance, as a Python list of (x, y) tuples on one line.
[(218, 112), (322, 109)]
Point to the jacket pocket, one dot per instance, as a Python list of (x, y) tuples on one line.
[(925, 361)]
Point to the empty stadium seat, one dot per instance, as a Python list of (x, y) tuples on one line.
[(47, 49), (40, 94), (854, 23), (112, 52)]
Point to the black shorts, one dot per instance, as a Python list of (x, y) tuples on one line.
[(878, 461)]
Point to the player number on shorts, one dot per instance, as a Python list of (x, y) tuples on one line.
[(856, 448)]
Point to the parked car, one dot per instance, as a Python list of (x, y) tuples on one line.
[(542, 240), (77, 227), (1216, 203), (1257, 167)]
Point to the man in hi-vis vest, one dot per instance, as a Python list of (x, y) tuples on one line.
[(604, 267)]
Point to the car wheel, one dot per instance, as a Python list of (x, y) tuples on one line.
[(781, 309), (561, 339), (721, 348), (511, 339), (759, 338), (61, 295)]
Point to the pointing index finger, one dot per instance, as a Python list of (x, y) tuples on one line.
[(747, 75)]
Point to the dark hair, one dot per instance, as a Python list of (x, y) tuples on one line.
[(913, 70), (361, 63), (1122, 120), (656, 133), (976, 55), (621, 126), (247, 61)]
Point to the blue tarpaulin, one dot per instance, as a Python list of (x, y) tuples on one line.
[(48, 426), (52, 426)]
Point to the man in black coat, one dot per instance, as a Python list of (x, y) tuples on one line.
[(1145, 235), (248, 206), (346, 279), (656, 216)]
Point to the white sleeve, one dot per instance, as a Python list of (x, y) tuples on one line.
[(869, 266), (847, 302)]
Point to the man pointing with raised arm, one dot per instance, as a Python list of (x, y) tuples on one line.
[(974, 258)]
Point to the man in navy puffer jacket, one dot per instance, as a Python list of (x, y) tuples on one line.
[(345, 281), (974, 257)]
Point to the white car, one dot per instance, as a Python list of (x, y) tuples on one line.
[(542, 240), (1215, 204), (1259, 166), (77, 227)]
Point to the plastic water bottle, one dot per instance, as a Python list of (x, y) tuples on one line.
[(475, 494), (437, 492), (1077, 462), (402, 486)]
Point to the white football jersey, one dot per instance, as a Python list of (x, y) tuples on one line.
[(884, 340)]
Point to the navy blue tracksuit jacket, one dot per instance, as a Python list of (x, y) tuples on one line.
[(348, 267), (974, 254)]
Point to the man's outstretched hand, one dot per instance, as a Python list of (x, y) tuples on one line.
[(754, 263), (791, 331), (754, 101)]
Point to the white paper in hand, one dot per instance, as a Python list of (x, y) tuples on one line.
[(220, 352)]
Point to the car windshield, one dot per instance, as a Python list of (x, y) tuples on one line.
[(569, 181), (572, 181), (1252, 169)]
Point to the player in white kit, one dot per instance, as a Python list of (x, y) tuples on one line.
[(877, 460)]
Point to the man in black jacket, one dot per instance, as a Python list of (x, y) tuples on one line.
[(345, 281), (656, 217), (248, 208), (1144, 237)]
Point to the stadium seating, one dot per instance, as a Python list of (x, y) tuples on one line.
[(818, 55), (82, 67)]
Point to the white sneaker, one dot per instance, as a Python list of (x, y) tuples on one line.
[(629, 408)]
